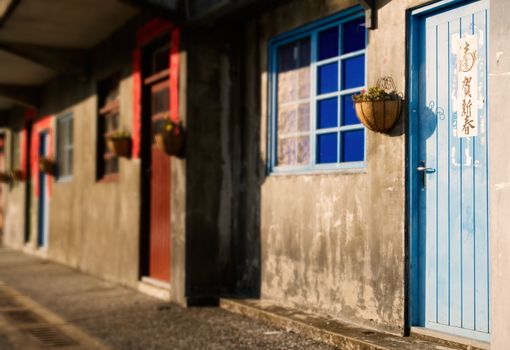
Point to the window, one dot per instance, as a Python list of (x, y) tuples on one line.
[(15, 151), (65, 146), (315, 72), (108, 121)]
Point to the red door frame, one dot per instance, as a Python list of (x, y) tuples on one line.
[(152, 31)]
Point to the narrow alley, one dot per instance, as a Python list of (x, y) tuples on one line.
[(120, 318), (254, 174)]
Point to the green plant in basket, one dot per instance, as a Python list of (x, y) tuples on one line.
[(375, 93), (379, 107)]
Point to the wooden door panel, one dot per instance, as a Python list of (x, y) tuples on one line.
[(160, 230), (453, 199), (160, 216)]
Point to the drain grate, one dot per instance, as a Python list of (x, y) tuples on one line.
[(22, 316), (50, 336)]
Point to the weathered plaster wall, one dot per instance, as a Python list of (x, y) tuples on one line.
[(178, 200), (208, 194), (335, 243), (14, 215), (94, 225), (221, 227), (14, 194), (499, 173)]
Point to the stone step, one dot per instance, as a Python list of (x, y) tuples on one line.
[(342, 335)]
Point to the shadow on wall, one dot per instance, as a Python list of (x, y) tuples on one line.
[(224, 168)]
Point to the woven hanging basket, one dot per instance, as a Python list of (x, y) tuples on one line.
[(47, 166), (170, 138), (18, 175), (6, 177), (121, 146), (379, 116)]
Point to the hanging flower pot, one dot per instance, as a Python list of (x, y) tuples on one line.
[(119, 143), (379, 108), (6, 177), (47, 166), (17, 175), (170, 137)]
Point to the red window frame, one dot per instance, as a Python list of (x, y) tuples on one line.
[(146, 34)]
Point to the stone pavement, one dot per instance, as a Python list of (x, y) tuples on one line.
[(89, 313)]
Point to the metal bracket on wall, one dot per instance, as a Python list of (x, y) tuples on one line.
[(370, 13)]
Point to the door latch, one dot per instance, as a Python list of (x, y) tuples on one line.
[(422, 169)]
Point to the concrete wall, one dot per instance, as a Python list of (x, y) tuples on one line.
[(222, 225), (94, 225), (334, 243), (499, 172), (14, 194)]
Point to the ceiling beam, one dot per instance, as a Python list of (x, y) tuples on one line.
[(370, 13), (6, 9), (28, 96), (61, 60), (173, 10)]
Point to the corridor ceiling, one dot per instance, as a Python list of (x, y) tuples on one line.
[(42, 38)]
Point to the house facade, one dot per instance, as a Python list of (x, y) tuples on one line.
[(281, 193)]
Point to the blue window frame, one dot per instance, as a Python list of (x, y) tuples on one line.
[(314, 71)]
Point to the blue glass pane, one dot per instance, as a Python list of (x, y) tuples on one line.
[(353, 72), (348, 113), (327, 147), (353, 145), (328, 43), (328, 78), (327, 113), (354, 35)]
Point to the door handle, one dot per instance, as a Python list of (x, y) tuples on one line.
[(426, 170), (422, 169)]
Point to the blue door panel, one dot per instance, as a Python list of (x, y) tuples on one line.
[(442, 166), (453, 230), (42, 200), (455, 198), (481, 236)]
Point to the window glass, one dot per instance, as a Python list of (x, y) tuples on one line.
[(327, 148), (353, 72), (15, 154), (349, 116), (65, 146), (353, 37), (293, 118), (327, 113), (328, 78), (352, 145), (160, 59), (328, 43), (314, 122), (108, 121)]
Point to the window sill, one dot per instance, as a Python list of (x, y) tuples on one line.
[(336, 171), (109, 178), (64, 179)]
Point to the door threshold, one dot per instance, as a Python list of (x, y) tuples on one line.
[(31, 249), (155, 288), (449, 339)]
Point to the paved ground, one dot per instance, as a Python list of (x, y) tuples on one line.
[(125, 319)]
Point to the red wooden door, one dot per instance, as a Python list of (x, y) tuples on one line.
[(159, 264)]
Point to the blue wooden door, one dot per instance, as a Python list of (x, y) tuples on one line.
[(451, 170), (42, 214)]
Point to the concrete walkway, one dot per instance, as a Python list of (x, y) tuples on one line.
[(44, 303)]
